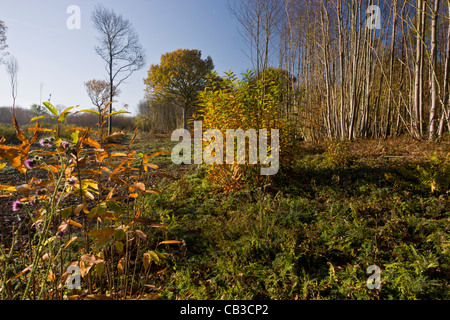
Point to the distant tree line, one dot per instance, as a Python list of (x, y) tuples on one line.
[(24, 116)]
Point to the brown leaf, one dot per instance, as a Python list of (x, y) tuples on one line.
[(91, 258), (63, 226), (21, 273), (121, 265), (80, 207), (139, 187), (83, 269), (98, 297), (24, 190), (141, 234)]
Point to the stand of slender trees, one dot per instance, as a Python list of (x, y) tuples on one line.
[(365, 69)]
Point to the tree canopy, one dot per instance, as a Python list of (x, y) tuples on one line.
[(178, 78)]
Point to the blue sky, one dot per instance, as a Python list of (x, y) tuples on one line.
[(60, 59)]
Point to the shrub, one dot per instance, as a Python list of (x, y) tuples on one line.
[(85, 212), (250, 103)]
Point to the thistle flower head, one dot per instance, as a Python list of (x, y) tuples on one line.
[(29, 164), (47, 142), (16, 206), (72, 181), (64, 144)]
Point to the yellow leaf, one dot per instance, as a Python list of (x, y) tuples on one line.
[(154, 256), (146, 260), (158, 153), (7, 188), (2, 166), (81, 206), (169, 242)]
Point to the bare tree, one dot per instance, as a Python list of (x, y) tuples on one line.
[(3, 44), (259, 21), (11, 68), (99, 93), (119, 47)]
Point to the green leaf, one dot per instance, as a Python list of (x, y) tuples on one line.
[(42, 117), (114, 207), (119, 246), (49, 240), (116, 112), (65, 213), (119, 234), (51, 108), (74, 136), (64, 114), (99, 267), (154, 256)]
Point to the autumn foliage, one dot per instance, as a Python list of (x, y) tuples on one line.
[(83, 207), (254, 102)]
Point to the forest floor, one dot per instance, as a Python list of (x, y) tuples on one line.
[(312, 233)]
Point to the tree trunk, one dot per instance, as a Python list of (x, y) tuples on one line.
[(446, 76), (185, 113), (415, 115), (391, 69), (434, 67), (111, 91)]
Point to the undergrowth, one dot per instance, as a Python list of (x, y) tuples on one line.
[(311, 235)]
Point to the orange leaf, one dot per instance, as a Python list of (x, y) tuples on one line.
[(76, 224), (101, 233), (91, 143), (70, 241), (134, 137)]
